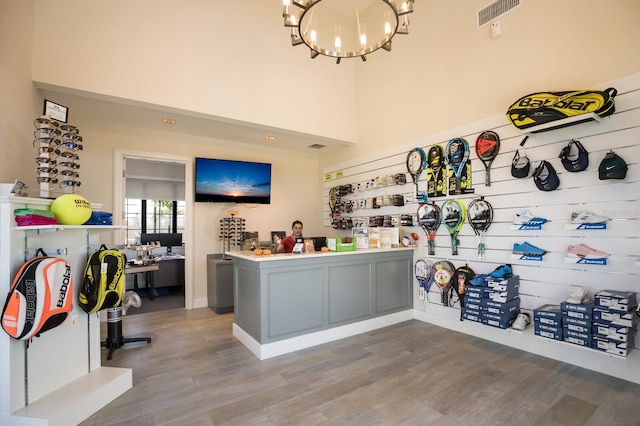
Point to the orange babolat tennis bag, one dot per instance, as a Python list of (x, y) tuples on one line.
[(546, 107), (40, 297)]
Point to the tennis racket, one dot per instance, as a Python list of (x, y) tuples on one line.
[(480, 217), (453, 216), (457, 157), (333, 202), (435, 161), (443, 276), (423, 270), (416, 163), (487, 148), (429, 221)]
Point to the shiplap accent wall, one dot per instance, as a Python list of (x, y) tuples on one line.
[(552, 279)]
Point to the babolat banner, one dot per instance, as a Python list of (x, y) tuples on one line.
[(547, 107)]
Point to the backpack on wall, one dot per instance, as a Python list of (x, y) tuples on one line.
[(103, 283), (40, 297), (546, 107)]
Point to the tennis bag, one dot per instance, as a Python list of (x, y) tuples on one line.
[(546, 107), (103, 284), (40, 297)]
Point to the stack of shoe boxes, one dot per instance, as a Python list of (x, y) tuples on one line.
[(614, 322), (547, 322), (576, 323), (495, 303)]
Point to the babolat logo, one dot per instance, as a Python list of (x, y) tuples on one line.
[(568, 104), (66, 278), (30, 296)]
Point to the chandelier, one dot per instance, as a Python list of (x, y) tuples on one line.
[(344, 28)]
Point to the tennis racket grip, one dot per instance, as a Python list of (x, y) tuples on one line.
[(487, 175)]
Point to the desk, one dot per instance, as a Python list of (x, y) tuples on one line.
[(149, 269)]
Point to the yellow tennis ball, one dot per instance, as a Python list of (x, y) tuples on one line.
[(71, 209)]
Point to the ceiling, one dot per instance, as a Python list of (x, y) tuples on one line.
[(126, 113)]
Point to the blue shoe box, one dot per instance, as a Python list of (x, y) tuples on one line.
[(499, 321), (623, 301), (577, 328), (500, 308), (586, 308), (610, 317), (473, 293), (473, 304), (577, 340), (503, 284), (547, 331), (501, 296), (581, 322), (614, 347), (613, 332), (471, 314), (549, 315)]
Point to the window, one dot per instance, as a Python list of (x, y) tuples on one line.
[(157, 216)]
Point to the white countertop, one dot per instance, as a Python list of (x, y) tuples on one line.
[(248, 255)]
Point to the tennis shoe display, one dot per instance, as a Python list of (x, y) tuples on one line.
[(588, 217), (528, 249), (580, 296), (527, 218), (585, 252), (502, 271), (478, 280), (521, 322)]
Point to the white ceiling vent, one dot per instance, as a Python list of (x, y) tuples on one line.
[(495, 9)]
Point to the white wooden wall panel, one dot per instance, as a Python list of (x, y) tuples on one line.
[(552, 279)]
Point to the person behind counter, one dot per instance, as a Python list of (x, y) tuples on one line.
[(286, 244)]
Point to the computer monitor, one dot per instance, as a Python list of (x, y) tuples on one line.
[(318, 242), (167, 240)]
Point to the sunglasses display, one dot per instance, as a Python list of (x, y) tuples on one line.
[(57, 145)]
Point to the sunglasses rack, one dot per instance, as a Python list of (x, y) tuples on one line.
[(57, 158)]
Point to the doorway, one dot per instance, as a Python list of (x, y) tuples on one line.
[(180, 183)]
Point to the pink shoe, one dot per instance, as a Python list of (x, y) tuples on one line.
[(585, 252)]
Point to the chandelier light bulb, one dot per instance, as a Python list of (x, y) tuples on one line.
[(363, 35), (338, 34), (387, 24)]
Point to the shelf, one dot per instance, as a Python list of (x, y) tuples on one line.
[(585, 226), (42, 229), (526, 257), (583, 261), (527, 227), (557, 124)]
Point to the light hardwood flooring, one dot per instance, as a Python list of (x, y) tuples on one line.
[(196, 373)]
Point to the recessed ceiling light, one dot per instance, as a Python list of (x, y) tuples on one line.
[(166, 120), (270, 138)]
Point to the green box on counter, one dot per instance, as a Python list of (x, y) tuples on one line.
[(341, 244)]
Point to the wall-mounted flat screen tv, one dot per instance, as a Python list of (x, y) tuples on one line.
[(230, 181)]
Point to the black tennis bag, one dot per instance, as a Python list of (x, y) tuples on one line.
[(103, 284), (546, 107), (40, 297)]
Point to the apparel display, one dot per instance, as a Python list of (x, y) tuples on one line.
[(574, 156), (520, 164), (545, 177), (612, 166)]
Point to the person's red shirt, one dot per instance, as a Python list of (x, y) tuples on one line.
[(288, 243)]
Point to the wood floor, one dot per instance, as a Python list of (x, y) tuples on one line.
[(196, 373)]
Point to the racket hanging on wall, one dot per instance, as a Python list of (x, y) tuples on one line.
[(453, 216), (429, 221), (416, 163), (487, 148), (423, 270), (457, 156), (480, 217), (443, 276), (436, 179)]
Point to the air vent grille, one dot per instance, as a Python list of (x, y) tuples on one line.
[(317, 146), (495, 9)]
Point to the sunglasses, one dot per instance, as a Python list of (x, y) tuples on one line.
[(69, 164), (48, 149), (47, 132), (68, 128), (72, 137), (46, 141), (70, 183), (68, 154), (46, 180), (46, 170), (71, 145), (68, 173), (45, 121), (46, 160)]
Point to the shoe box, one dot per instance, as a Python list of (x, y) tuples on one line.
[(501, 308), (610, 346), (501, 296), (583, 311), (576, 323), (608, 316), (612, 331), (473, 304), (623, 301), (503, 284), (549, 315), (499, 320), (545, 330), (471, 314), (472, 293)]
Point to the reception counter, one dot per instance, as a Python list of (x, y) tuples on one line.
[(288, 302)]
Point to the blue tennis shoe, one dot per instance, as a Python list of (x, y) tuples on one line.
[(528, 249), (502, 271)]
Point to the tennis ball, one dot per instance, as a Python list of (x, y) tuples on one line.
[(71, 209)]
